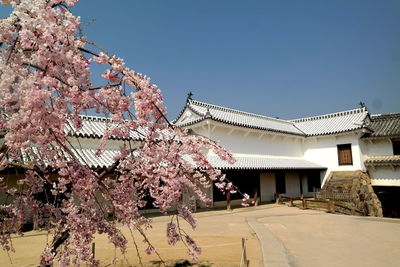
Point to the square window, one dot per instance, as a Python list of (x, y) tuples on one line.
[(344, 154)]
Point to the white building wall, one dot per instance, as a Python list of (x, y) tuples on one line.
[(381, 175), (323, 150), (384, 176), (95, 142), (246, 141), (377, 147)]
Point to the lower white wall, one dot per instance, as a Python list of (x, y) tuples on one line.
[(385, 176), (268, 187)]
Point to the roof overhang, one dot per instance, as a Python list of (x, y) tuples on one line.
[(260, 162), (383, 161)]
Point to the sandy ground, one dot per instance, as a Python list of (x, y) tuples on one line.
[(218, 233), (310, 238)]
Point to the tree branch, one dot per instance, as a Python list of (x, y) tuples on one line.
[(44, 70), (14, 44), (88, 51), (100, 87)]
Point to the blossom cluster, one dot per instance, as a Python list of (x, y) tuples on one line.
[(45, 71)]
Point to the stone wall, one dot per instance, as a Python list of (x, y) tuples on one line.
[(358, 185)]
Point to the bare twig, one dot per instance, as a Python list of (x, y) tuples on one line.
[(14, 44)]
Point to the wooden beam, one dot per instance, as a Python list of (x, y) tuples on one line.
[(228, 200)]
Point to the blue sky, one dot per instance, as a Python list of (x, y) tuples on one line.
[(286, 59)]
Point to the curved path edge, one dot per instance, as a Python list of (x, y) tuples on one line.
[(273, 251)]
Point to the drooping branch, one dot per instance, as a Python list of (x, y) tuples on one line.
[(101, 87), (58, 67)]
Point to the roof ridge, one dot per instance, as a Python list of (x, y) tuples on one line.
[(330, 115), (91, 117), (385, 116), (238, 111)]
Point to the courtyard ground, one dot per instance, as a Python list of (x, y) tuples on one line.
[(288, 237)]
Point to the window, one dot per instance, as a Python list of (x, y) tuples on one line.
[(280, 182), (396, 147), (344, 154)]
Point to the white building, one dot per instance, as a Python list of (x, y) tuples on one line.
[(277, 156), (381, 154), (294, 157)]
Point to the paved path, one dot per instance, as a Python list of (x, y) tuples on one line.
[(273, 251), (294, 237)]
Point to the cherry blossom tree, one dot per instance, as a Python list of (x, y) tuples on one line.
[(45, 70)]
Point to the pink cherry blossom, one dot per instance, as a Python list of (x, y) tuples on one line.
[(45, 71)]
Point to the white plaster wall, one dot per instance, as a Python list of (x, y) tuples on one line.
[(242, 142), (323, 150), (201, 131), (267, 187), (187, 115), (95, 142), (385, 176), (377, 147), (292, 184), (381, 175)]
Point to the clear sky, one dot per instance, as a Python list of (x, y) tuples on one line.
[(280, 58)]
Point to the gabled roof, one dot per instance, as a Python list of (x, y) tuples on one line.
[(333, 123), (386, 125), (235, 117)]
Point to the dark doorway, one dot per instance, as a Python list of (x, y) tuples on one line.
[(280, 182), (313, 180), (389, 197), (246, 181)]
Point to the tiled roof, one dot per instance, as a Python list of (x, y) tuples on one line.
[(94, 127), (312, 126), (264, 163), (383, 161), (333, 123), (237, 118), (88, 157), (386, 125), (85, 155)]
